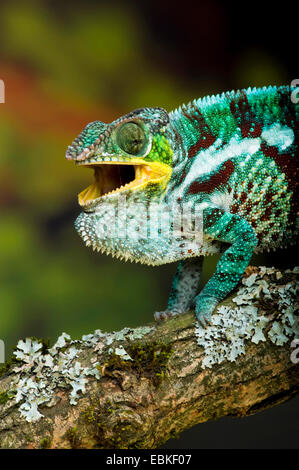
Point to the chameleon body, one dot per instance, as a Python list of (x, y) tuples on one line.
[(231, 159)]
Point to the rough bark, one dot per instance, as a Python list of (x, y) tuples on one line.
[(162, 392)]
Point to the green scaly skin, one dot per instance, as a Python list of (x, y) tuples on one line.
[(231, 158)]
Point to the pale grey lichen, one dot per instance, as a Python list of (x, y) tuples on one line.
[(120, 351), (28, 350), (62, 341), (39, 374), (230, 327)]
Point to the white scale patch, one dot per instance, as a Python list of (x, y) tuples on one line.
[(214, 156), (222, 200), (278, 136)]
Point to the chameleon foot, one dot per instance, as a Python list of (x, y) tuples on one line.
[(165, 314), (204, 319), (204, 309)]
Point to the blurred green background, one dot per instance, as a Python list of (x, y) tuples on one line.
[(65, 64)]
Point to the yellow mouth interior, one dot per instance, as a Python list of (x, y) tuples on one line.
[(111, 178)]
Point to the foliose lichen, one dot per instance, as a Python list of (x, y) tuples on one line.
[(40, 371), (266, 308)]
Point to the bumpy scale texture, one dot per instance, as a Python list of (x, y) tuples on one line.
[(231, 158)]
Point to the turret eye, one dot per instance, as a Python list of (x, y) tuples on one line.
[(130, 138)]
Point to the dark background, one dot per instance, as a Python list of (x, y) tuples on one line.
[(65, 64)]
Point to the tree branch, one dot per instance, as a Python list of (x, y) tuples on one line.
[(138, 388)]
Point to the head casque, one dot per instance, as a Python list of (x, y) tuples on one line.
[(130, 156)]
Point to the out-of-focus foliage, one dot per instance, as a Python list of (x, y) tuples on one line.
[(65, 64)]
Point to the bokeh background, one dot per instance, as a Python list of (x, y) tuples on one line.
[(65, 64)]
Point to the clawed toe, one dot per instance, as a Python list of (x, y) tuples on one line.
[(164, 315), (204, 320)]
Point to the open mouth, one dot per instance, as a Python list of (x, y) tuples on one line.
[(111, 178)]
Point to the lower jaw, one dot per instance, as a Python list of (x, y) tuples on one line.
[(92, 196), (105, 198)]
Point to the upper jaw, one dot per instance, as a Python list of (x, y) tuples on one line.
[(86, 153), (92, 157)]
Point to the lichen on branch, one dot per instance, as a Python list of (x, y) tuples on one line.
[(137, 388)]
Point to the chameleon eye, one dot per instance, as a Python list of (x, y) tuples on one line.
[(130, 138)]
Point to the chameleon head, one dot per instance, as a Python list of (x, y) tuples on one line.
[(130, 156)]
